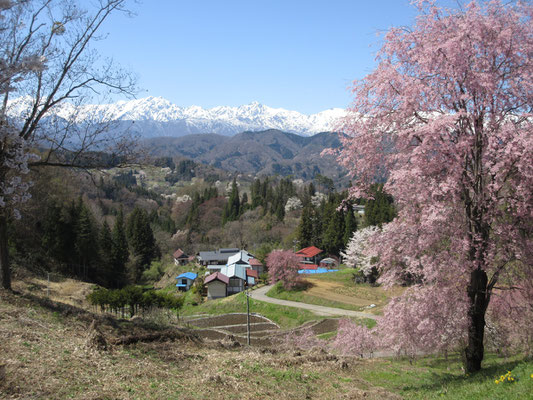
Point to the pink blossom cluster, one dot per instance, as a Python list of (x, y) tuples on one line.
[(354, 339), (283, 267), (447, 117), (304, 339)]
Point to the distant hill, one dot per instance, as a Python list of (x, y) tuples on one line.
[(261, 153)]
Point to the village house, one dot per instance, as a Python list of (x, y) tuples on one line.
[(309, 256), (215, 258), (186, 280), (217, 285), (180, 258), (256, 265)]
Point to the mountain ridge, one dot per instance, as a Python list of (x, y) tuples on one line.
[(156, 117)]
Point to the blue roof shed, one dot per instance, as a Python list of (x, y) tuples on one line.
[(185, 280)]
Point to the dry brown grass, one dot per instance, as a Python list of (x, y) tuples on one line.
[(357, 295), (45, 351)]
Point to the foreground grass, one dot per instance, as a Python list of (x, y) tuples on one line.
[(434, 377), (285, 317), (44, 356)]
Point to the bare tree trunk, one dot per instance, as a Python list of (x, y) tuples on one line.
[(477, 294), (5, 270)]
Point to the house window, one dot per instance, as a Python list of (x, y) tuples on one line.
[(184, 281)]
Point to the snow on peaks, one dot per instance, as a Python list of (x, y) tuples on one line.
[(223, 119)]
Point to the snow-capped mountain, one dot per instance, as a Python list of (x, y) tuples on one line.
[(155, 116)]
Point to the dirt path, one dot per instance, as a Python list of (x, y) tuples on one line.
[(260, 294)]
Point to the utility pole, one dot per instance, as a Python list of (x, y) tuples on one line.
[(247, 314)]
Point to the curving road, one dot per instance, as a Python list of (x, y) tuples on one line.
[(260, 294)]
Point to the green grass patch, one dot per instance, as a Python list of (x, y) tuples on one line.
[(327, 335), (434, 377), (285, 317)]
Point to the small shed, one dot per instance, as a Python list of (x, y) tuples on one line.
[(251, 277), (256, 265), (329, 262), (217, 285), (186, 280)]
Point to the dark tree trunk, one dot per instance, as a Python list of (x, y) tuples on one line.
[(5, 270), (477, 294)]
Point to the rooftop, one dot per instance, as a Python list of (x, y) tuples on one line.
[(309, 252), (189, 275), (217, 276)]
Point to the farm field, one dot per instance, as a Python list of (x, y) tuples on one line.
[(337, 289)]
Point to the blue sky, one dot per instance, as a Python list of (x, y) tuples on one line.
[(298, 55)]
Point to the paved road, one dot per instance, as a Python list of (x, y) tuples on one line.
[(260, 294)]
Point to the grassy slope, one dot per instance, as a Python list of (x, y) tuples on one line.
[(300, 295), (44, 356)]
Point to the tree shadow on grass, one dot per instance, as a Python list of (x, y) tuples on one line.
[(443, 378)]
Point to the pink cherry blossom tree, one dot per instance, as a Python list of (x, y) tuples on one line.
[(354, 339), (447, 117), (283, 267)]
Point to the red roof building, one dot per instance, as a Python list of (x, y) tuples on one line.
[(309, 255), (252, 273), (309, 252)]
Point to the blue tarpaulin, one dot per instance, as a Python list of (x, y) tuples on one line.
[(316, 271)]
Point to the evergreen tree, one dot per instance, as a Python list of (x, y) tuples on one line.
[(105, 270), (350, 224), (305, 228), (333, 235), (119, 251), (141, 238), (232, 211), (86, 243), (380, 209), (55, 232)]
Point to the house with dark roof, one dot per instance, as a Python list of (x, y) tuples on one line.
[(216, 257), (180, 258), (309, 255), (217, 285), (186, 280)]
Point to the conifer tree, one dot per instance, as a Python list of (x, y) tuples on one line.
[(119, 251), (233, 207), (305, 228), (141, 237), (86, 243), (350, 224), (105, 270)]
